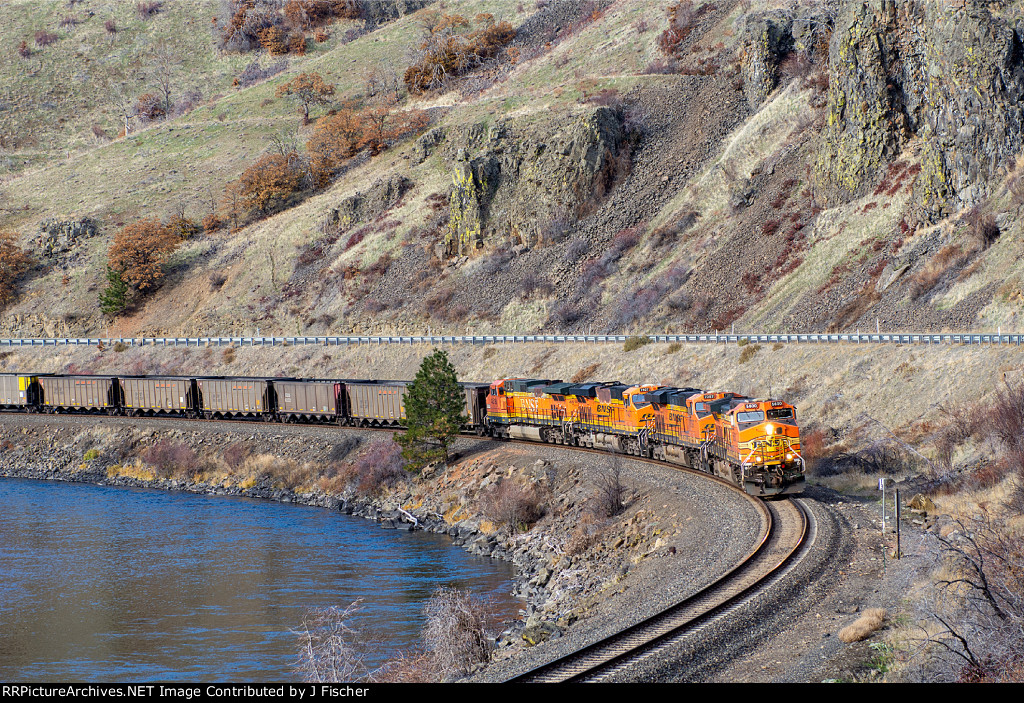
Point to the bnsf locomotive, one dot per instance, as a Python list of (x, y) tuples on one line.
[(754, 443)]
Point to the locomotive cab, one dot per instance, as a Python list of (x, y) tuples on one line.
[(762, 435)]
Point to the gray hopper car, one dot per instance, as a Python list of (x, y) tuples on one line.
[(236, 397), (88, 393), (159, 395), (382, 403), (307, 400)]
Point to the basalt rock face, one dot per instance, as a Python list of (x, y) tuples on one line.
[(769, 37), (60, 236), (949, 74), (380, 197), (512, 181)]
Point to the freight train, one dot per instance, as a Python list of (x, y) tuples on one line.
[(754, 443)]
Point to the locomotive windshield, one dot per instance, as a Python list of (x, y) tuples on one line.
[(701, 409), (782, 414), (750, 417)]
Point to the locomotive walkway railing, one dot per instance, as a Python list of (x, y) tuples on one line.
[(439, 340)]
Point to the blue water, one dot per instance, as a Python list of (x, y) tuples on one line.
[(113, 584)]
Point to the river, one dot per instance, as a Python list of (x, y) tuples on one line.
[(103, 584)]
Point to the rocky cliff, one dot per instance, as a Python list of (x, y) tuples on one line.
[(945, 78), (516, 182)]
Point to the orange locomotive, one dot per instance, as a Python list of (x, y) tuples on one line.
[(753, 443)]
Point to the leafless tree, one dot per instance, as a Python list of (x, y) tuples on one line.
[(164, 65), (973, 622), (326, 652), (455, 633)]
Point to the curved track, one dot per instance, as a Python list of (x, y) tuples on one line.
[(789, 535)]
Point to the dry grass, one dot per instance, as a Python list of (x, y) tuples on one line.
[(862, 628)]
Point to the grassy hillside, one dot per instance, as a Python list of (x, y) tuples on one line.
[(726, 222)]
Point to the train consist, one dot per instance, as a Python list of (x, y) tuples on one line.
[(754, 443)]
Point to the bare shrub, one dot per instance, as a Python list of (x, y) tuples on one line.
[(254, 73), (235, 455), (609, 492), (577, 249), (973, 621), (554, 230), (326, 649), (862, 627), (496, 262), (145, 10), (407, 667), (564, 314), (171, 458), (217, 280), (982, 226), (513, 505), (455, 633), (880, 459), (380, 466), (44, 38), (586, 532), (812, 444)]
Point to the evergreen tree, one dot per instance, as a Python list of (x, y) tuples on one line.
[(435, 407), (114, 298)]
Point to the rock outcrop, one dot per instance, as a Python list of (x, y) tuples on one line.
[(380, 197), (60, 236), (512, 180), (950, 74)]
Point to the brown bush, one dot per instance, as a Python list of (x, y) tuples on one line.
[(982, 226), (23, 50), (271, 181), (306, 89), (380, 466), (44, 38), (513, 505), (235, 454), (14, 262), (139, 252), (682, 18), (212, 223), (145, 10), (171, 458), (149, 106), (448, 51)]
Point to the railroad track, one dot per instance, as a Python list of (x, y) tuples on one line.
[(789, 535)]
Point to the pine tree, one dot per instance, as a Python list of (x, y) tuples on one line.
[(435, 407), (114, 298)]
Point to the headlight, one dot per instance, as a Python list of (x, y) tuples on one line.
[(789, 457), (757, 458), (769, 428)]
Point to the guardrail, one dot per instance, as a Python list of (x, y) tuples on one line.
[(440, 340)]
